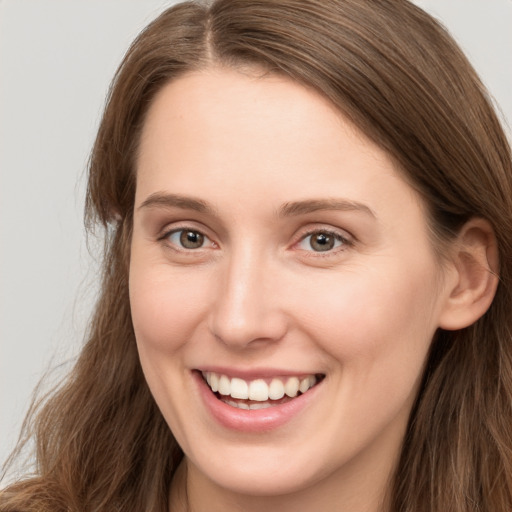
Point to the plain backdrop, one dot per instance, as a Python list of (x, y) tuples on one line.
[(56, 61)]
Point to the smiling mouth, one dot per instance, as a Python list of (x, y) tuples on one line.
[(259, 393)]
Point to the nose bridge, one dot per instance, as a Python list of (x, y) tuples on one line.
[(245, 309)]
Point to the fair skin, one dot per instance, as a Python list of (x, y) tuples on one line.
[(272, 240)]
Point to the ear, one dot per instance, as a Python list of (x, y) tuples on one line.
[(475, 278)]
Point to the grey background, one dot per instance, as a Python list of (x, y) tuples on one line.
[(56, 60)]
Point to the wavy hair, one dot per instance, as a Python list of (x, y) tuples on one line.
[(393, 71)]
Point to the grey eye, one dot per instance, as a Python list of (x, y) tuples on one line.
[(321, 241), (187, 238)]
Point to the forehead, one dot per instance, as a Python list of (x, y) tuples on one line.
[(221, 134)]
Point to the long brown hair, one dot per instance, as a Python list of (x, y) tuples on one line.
[(102, 444)]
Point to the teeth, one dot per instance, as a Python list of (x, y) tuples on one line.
[(239, 388), (214, 381), (276, 389), (260, 406), (307, 383), (224, 385), (258, 390), (291, 388), (243, 405)]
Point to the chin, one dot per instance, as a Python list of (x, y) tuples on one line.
[(261, 470), (262, 481)]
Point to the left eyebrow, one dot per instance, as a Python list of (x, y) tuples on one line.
[(313, 205)]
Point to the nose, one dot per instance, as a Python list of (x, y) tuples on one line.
[(248, 310)]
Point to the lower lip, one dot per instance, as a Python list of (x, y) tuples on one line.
[(258, 420)]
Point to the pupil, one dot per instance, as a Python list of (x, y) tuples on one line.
[(322, 242), (191, 239)]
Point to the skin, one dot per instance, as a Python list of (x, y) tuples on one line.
[(257, 294)]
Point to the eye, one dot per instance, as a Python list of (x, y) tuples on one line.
[(189, 239), (322, 241)]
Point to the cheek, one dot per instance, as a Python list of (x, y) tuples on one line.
[(376, 321), (376, 333), (164, 310)]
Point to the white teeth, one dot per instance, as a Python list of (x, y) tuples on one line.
[(276, 389), (239, 389), (291, 388), (258, 390), (224, 385), (243, 405), (265, 405), (306, 383), (214, 381), (239, 405)]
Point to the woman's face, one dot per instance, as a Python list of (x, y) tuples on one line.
[(276, 247)]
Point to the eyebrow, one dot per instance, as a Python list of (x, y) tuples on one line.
[(291, 209), (314, 205), (161, 199)]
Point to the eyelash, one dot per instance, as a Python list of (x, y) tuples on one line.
[(345, 242)]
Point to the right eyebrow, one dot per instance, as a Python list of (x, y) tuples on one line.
[(165, 200)]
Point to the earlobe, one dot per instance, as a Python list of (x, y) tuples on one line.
[(476, 265)]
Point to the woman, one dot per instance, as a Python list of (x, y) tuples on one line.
[(306, 290)]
